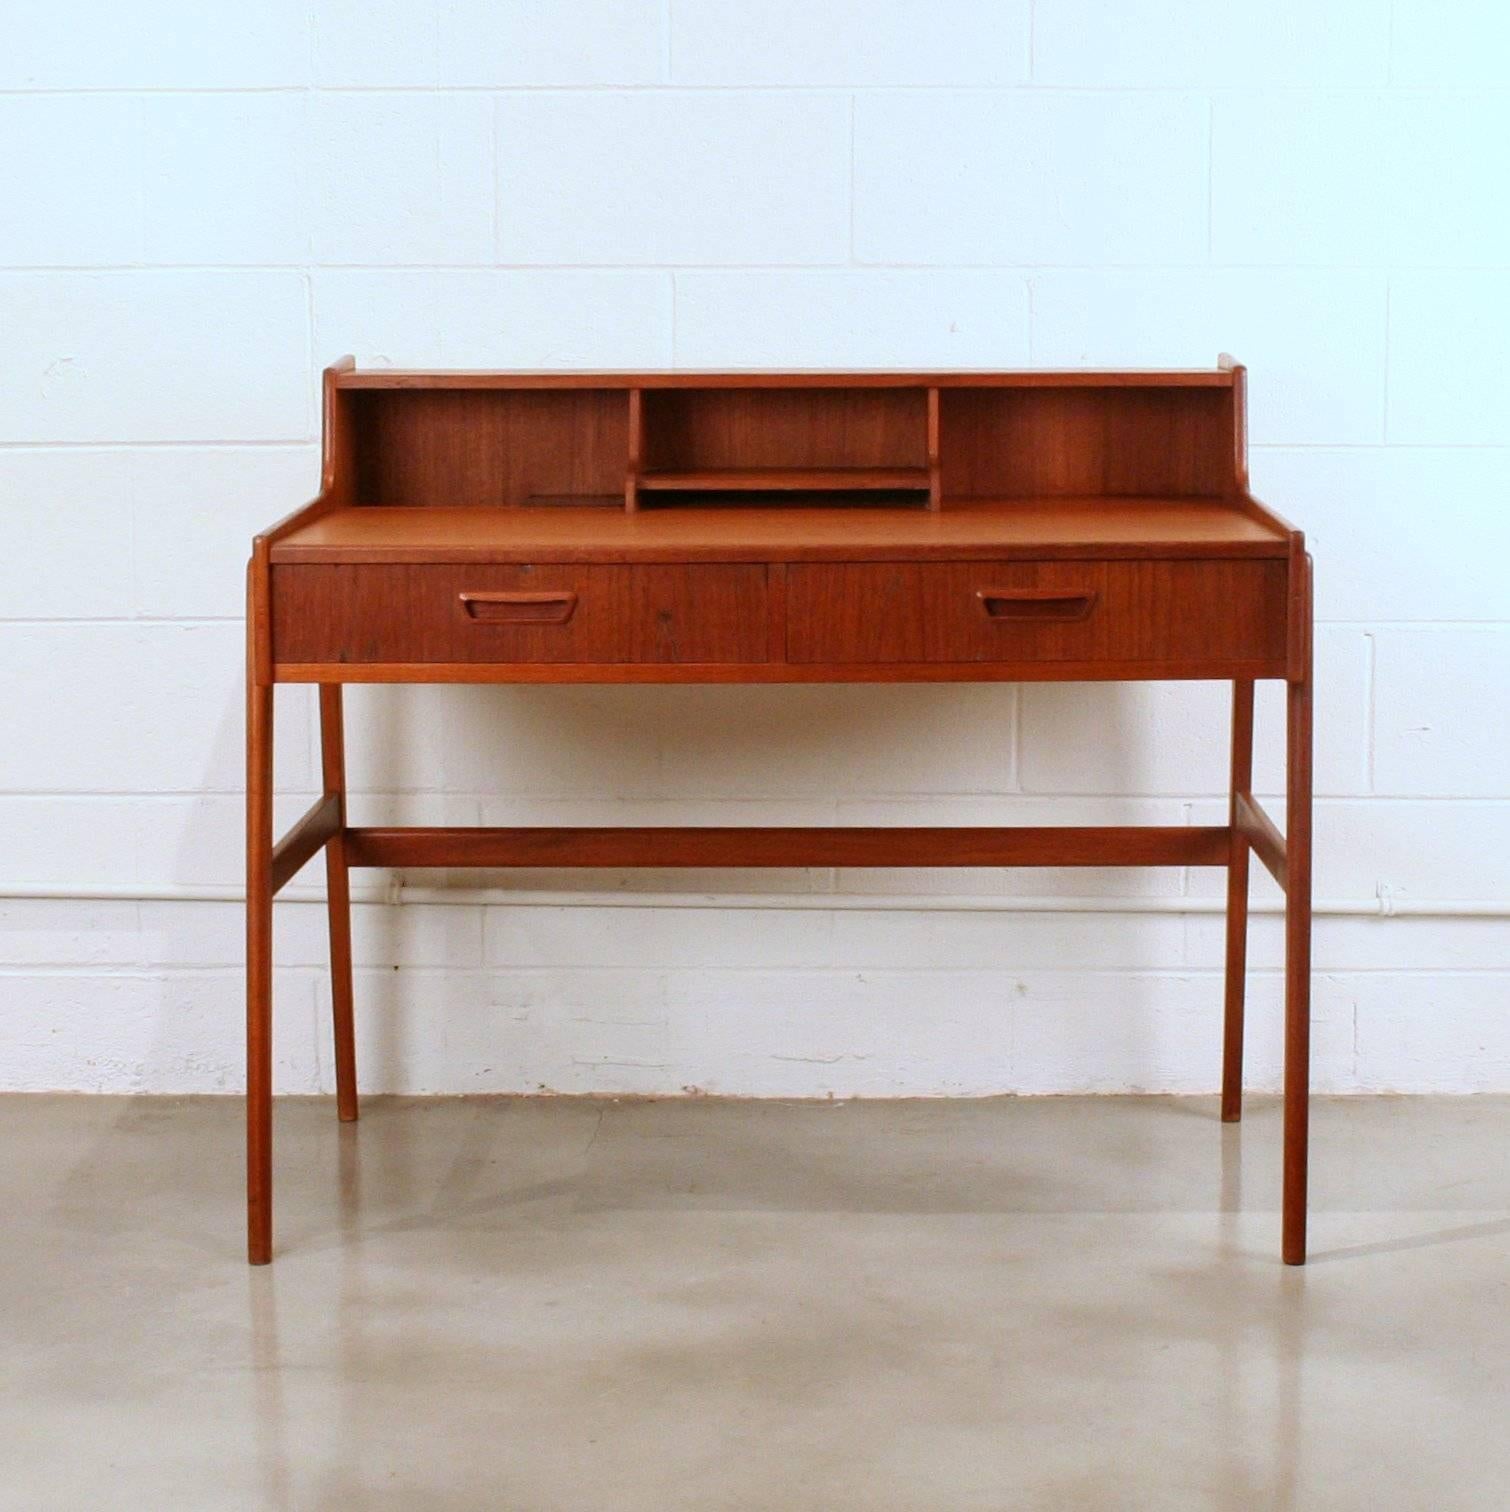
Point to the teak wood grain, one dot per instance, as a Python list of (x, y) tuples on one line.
[(1047, 845), (1155, 528), (349, 377), (1236, 935), (1106, 612), (777, 480), (496, 448), (806, 526), (560, 613), (706, 429), (774, 670), (1045, 442)]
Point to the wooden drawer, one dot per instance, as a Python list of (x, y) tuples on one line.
[(1119, 612), (392, 613)]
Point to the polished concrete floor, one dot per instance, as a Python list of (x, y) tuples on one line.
[(521, 1304)]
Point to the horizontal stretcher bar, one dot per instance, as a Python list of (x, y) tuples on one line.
[(1137, 845)]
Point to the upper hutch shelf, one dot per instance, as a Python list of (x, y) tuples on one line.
[(687, 440)]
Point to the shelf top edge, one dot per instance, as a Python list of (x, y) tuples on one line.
[(458, 378)]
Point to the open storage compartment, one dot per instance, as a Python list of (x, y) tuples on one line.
[(752, 446), (1085, 441), (525, 447)]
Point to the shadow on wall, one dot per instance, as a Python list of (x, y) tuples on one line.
[(845, 754)]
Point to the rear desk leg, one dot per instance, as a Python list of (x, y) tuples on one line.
[(338, 904), (1298, 941), (1237, 905), (259, 969)]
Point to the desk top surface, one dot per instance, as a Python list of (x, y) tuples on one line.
[(1042, 528)]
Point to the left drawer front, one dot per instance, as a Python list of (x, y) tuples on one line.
[(527, 613)]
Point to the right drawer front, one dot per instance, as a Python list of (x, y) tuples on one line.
[(1162, 612)]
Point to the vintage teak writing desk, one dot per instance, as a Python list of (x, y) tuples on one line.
[(779, 527)]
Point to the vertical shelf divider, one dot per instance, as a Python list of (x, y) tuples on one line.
[(636, 450), (935, 475)]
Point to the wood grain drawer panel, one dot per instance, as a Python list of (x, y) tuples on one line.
[(519, 613), (1175, 612)]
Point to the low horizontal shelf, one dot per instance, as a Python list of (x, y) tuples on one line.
[(573, 501), (788, 479), (1068, 845)]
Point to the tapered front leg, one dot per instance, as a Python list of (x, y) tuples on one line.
[(259, 970), (338, 904), (1298, 946), (1237, 905)]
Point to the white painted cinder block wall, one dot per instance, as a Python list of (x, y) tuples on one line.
[(205, 204)]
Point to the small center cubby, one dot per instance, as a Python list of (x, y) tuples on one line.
[(707, 446)]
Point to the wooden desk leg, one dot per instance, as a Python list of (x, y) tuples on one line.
[(1298, 946), (338, 904), (1237, 905), (259, 970)]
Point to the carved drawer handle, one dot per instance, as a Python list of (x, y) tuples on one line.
[(1035, 603), (519, 608)]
